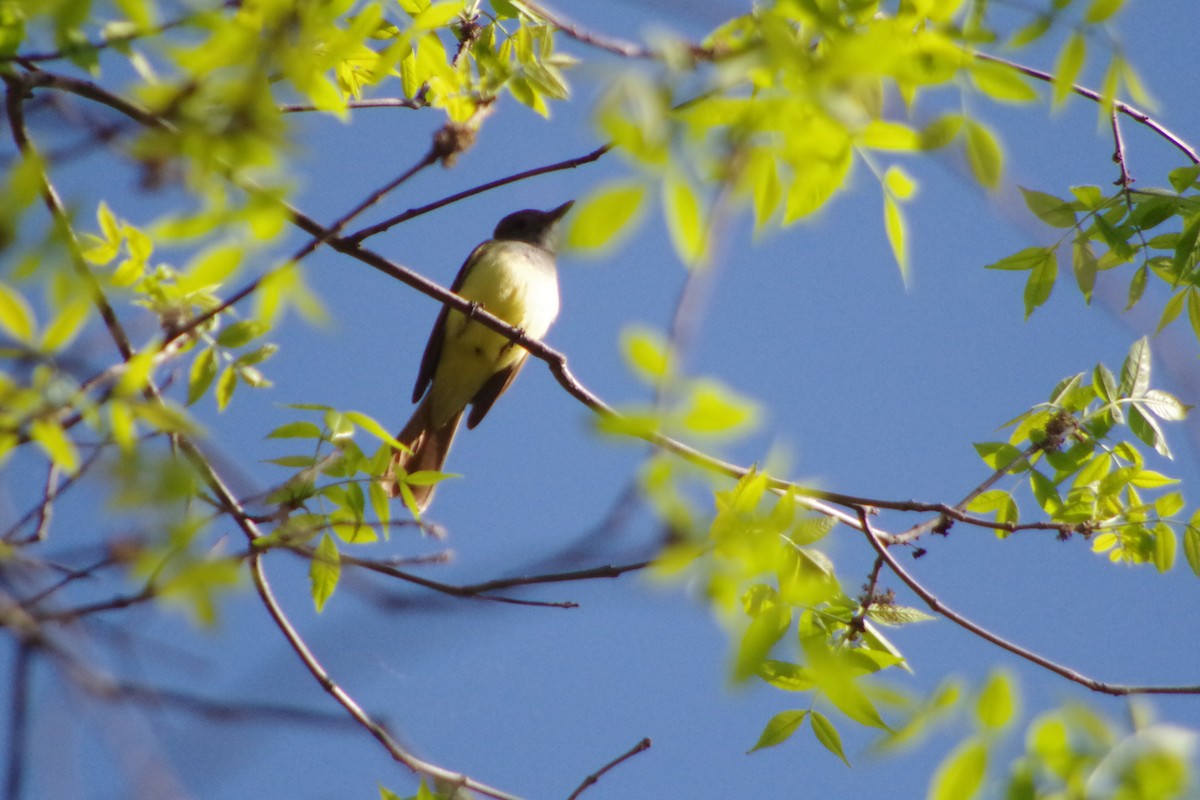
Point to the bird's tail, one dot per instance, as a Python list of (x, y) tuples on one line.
[(429, 447)]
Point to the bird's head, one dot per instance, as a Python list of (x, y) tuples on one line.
[(530, 225)]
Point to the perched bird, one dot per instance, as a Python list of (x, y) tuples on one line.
[(511, 275)]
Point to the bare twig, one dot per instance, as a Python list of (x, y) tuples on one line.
[(18, 721), (570, 163), (590, 780)]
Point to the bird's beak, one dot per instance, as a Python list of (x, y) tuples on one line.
[(558, 213)]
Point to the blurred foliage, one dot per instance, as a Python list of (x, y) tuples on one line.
[(771, 113)]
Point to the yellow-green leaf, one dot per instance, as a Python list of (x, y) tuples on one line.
[(54, 441), (961, 774), (647, 352), (1001, 82), (66, 325), (16, 316), (1068, 66), (1164, 547), (996, 703), (684, 219), (828, 735), (1101, 10), (983, 154), (883, 135), (211, 268), (601, 220), (324, 571), (779, 729), (893, 220)]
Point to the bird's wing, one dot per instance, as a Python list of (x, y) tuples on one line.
[(433, 349), (495, 386)]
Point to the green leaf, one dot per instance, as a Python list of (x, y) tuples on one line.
[(899, 183), (713, 409), (942, 131), (1041, 282), (1191, 544), (225, 386), (210, 268), (883, 135), (1028, 258), (241, 332), (891, 614), (1135, 371), (983, 154), (997, 455), (371, 426), (1085, 267), (684, 219), (1001, 82), (893, 219), (1049, 209), (601, 220), (66, 325), (1068, 66), (16, 316), (779, 729), (996, 704), (787, 676), (1193, 307), (51, 437), (961, 774), (300, 429), (1031, 32), (1164, 547), (201, 374), (324, 570), (647, 352), (1171, 311), (827, 735), (1101, 10), (1163, 405), (1182, 178)]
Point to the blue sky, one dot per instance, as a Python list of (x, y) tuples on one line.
[(868, 387)]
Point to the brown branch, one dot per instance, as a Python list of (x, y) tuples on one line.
[(1091, 94), (590, 780), (108, 41), (382, 102), (938, 607), (16, 90), (570, 163), (230, 504)]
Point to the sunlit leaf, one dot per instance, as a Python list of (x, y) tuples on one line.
[(961, 774), (997, 703), (779, 729), (602, 219), (983, 154), (1068, 66), (324, 570), (828, 735)]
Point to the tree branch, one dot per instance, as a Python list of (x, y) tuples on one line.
[(938, 607), (1090, 94), (590, 780)]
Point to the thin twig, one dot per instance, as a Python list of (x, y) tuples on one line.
[(1090, 94), (938, 607), (18, 722), (382, 102), (590, 780), (570, 163)]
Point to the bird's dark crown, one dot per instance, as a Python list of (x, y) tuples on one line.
[(531, 225)]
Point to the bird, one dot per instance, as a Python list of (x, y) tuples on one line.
[(514, 276)]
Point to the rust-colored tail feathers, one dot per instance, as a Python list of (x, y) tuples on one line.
[(429, 449)]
